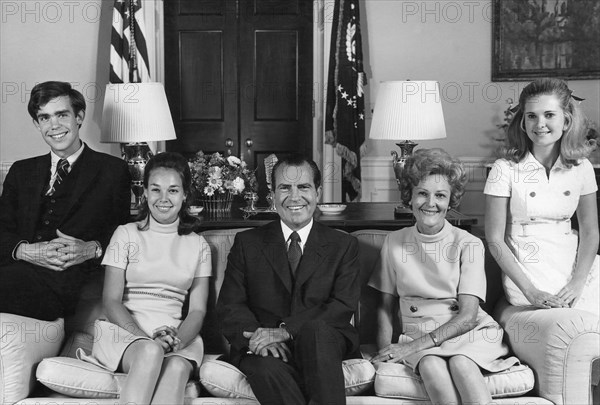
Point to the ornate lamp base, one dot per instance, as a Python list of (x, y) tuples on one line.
[(398, 162), (136, 155)]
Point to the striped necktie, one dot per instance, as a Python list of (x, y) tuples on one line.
[(294, 252), (62, 170)]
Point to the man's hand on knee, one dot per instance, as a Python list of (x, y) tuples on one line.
[(278, 350), (263, 337)]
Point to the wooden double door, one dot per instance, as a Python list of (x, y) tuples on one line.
[(238, 76)]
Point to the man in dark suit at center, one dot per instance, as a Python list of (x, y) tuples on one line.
[(290, 290)]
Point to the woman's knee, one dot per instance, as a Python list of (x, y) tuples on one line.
[(461, 364), (432, 366), (142, 355), (177, 365), (146, 350)]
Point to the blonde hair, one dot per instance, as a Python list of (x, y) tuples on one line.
[(574, 144)]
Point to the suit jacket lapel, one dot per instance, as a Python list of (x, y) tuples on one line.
[(273, 248), (88, 169), (313, 257), (37, 184)]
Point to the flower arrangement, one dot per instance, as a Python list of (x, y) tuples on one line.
[(215, 174)]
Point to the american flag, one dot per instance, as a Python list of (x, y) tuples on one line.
[(345, 109), (128, 51)]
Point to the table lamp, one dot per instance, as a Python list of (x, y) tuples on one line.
[(407, 111), (134, 114)]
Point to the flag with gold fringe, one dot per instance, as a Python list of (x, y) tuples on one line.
[(345, 108), (128, 50)]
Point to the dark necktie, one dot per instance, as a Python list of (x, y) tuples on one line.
[(62, 170), (294, 252)]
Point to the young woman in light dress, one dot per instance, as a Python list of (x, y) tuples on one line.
[(532, 193), (153, 266)]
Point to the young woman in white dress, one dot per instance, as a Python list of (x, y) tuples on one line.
[(533, 191), (153, 266)]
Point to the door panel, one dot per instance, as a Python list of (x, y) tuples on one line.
[(202, 96), (201, 74), (276, 47), (240, 70), (276, 70)]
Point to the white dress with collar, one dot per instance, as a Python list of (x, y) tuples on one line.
[(538, 229)]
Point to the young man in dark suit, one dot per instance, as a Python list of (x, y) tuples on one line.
[(290, 290), (57, 211)]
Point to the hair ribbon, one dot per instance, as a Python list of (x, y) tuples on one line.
[(573, 96)]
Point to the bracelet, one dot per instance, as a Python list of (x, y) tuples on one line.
[(433, 337)]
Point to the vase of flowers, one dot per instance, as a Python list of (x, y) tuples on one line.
[(217, 179)]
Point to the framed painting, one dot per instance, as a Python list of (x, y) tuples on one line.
[(545, 38)]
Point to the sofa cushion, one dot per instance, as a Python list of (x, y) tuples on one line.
[(77, 378), (223, 380), (24, 343), (395, 380), (359, 376)]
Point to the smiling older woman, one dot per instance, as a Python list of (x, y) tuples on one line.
[(435, 272)]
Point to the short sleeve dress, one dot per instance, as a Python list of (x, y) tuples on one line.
[(538, 226), (427, 273), (160, 267)]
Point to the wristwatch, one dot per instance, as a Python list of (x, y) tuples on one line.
[(98, 252)]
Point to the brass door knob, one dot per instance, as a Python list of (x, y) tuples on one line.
[(228, 142), (249, 142)]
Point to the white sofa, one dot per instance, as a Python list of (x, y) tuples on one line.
[(562, 347)]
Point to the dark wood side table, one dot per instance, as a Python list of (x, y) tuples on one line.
[(367, 215)]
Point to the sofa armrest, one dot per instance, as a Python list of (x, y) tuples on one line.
[(24, 342), (560, 345)]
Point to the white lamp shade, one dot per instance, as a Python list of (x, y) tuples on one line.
[(136, 112), (408, 110)]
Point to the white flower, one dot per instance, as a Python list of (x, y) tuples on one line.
[(238, 185), (215, 182), (215, 172), (209, 191), (233, 161)]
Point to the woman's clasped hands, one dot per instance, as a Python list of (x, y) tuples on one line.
[(166, 336), (565, 298)]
